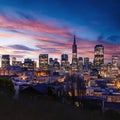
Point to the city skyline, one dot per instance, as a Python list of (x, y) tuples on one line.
[(28, 29), (98, 55)]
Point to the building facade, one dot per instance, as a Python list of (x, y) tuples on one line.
[(5, 61), (64, 63), (29, 64), (115, 67), (43, 62), (99, 59)]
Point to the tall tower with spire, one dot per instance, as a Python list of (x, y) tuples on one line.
[(74, 56)]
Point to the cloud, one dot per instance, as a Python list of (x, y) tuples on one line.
[(25, 16), (22, 52), (9, 23), (21, 47), (114, 39), (17, 56)]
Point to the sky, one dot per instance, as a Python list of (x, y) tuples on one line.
[(32, 27)]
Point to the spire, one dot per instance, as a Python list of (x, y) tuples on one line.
[(74, 40)]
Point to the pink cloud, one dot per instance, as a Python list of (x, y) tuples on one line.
[(34, 26)]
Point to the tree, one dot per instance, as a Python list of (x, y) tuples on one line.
[(75, 83), (81, 88), (7, 86)]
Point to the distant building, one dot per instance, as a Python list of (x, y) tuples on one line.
[(109, 70), (99, 58), (80, 64), (115, 67), (43, 62), (90, 65), (13, 61), (86, 60), (51, 62), (6, 71), (5, 61), (56, 66), (74, 56), (29, 64), (65, 66), (86, 63), (64, 58), (16, 63)]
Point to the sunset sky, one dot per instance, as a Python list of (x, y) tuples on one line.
[(31, 27)]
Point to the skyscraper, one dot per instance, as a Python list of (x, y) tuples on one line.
[(5, 61), (64, 63), (99, 57), (56, 66), (114, 67), (43, 62), (74, 56)]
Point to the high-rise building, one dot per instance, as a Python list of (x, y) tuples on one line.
[(64, 63), (51, 62), (29, 64), (5, 61), (56, 66), (115, 67), (99, 59), (99, 56), (80, 64), (74, 56), (43, 62), (86, 61)]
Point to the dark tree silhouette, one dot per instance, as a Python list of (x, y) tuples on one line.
[(7, 86)]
